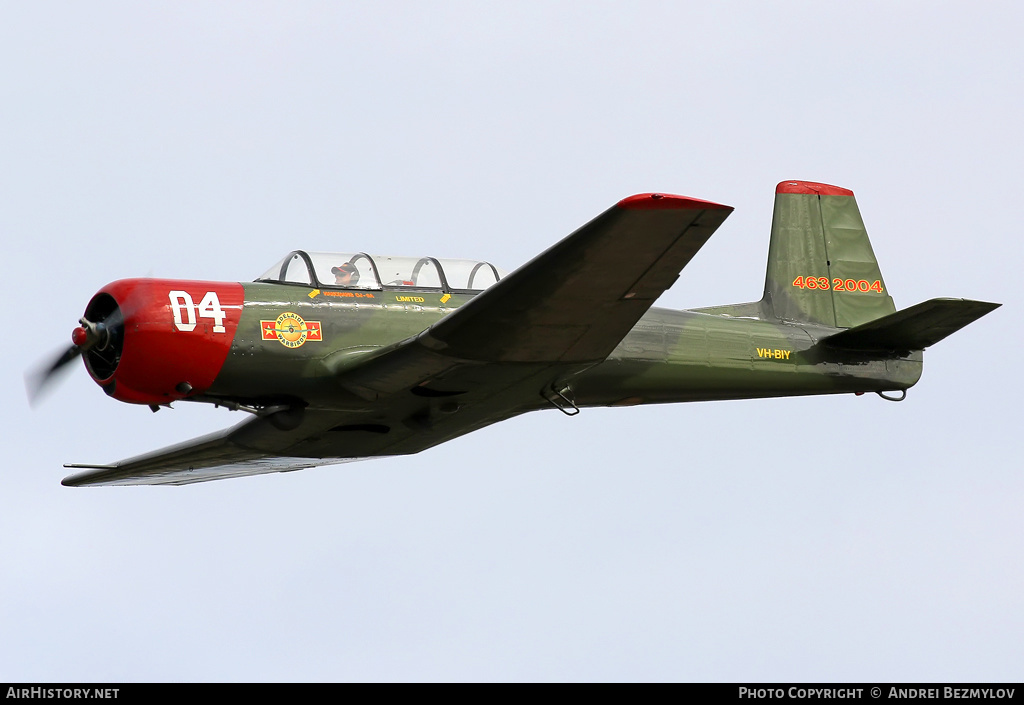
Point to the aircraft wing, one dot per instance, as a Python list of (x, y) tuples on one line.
[(490, 359), (570, 305), (253, 447), (577, 300)]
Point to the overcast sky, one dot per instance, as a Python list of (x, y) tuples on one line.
[(817, 539)]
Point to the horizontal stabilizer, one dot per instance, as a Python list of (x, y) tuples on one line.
[(914, 328)]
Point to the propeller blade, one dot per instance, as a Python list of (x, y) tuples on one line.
[(36, 381)]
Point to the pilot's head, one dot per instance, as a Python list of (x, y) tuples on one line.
[(345, 275)]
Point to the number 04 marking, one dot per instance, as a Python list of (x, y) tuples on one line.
[(209, 307)]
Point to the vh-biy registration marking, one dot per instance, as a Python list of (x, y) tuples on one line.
[(773, 353)]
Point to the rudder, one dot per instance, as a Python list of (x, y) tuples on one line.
[(821, 268)]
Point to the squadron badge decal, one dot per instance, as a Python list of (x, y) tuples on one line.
[(291, 330)]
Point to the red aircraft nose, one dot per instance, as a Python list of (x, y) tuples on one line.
[(166, 339), (79, 336)]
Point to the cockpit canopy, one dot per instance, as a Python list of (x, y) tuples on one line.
[(363, 271)]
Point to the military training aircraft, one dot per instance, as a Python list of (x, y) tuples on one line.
[(344, 356)]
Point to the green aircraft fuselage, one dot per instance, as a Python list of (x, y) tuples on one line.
[(668, 356), (348, 356)]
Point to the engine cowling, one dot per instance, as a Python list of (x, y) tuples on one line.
[(158, 340)]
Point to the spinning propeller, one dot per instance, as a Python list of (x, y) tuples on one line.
[(99, 337)]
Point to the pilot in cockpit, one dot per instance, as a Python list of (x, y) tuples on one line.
[(345, 275)]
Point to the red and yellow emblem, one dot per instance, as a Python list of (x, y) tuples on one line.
[(291, 330)]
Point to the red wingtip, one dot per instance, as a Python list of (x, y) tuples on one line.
[(664, 201), (812, 187)]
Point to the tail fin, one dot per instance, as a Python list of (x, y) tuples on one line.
[(821, 268)]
